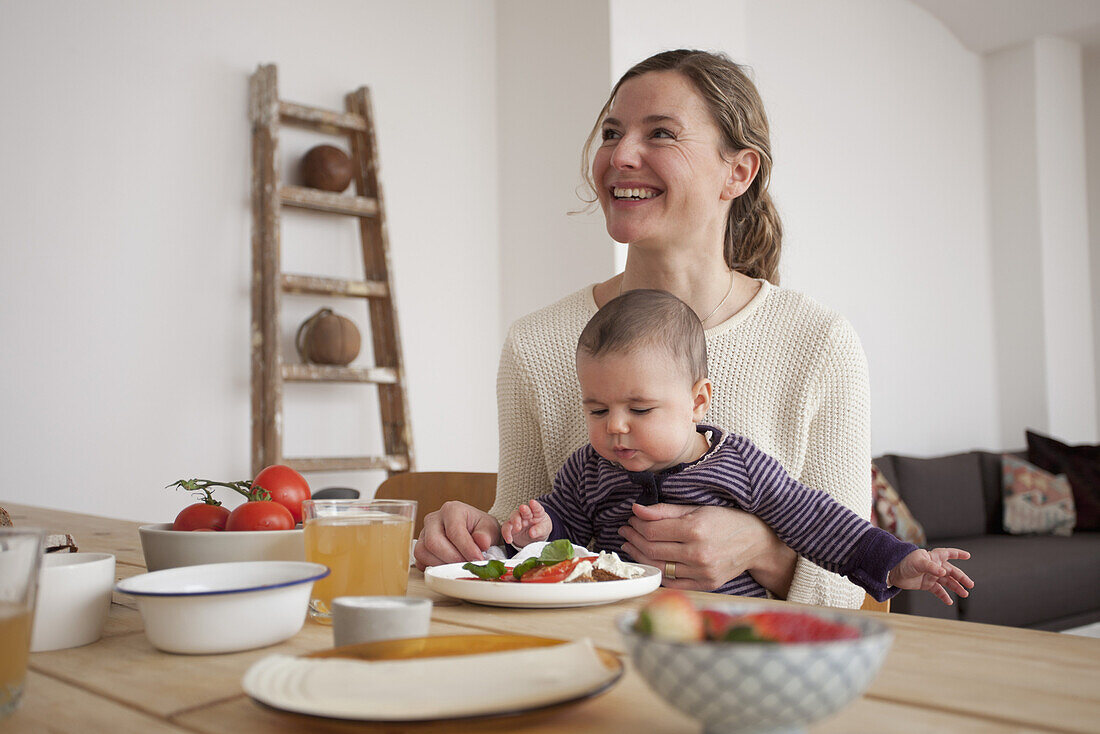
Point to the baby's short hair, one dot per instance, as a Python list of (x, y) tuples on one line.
[(648, 318)]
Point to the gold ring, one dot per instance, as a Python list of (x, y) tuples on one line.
[(670, 569)]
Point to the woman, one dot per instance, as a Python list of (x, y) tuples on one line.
[(681, 173)]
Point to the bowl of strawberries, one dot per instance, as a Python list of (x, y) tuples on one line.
[(741, 668)]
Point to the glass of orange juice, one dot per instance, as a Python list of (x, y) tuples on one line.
[(364, 543), (20, 556)]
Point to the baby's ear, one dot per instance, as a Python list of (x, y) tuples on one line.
[(701, 392)]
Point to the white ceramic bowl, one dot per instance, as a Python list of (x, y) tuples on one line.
[(74, 595), (167, 548), (223, 607), (761, 687), (357, 619)]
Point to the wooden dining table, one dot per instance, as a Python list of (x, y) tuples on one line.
[(939, 676)]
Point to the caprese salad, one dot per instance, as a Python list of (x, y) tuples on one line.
[(557, 563)]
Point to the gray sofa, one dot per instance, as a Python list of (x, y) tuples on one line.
[(1044, 582)]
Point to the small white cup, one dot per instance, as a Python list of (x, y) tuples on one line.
[(358, 619), (74, 595)]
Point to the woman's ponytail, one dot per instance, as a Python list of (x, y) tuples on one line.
[(754, 240)]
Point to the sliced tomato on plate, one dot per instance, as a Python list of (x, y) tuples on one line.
[(550, 574)]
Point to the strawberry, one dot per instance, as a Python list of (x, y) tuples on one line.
[(716, 624), (797, 627), (672, 617)]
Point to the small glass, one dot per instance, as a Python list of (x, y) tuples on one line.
[(20, 557), (364, 543)]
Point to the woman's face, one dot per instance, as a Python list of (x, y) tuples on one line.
[(659, 171)]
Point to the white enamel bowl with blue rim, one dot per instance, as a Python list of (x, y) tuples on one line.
[(223, 607), (761, 687)]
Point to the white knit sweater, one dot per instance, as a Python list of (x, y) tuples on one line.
[(788, 373)]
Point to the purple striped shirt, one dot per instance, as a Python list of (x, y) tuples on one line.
[(592, 499)]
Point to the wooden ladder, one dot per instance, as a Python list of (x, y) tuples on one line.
[(269, 195)]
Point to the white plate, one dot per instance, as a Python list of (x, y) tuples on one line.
[(453, 580), (388, 681)]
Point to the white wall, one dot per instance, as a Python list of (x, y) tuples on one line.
[(1015, 225), (640, 29), (1044, 289), (878, 131), (553, 66), (1091, 84), (125, 236), (1067, 304)]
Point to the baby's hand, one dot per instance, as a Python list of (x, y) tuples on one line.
[(930, 571), (528, 524)]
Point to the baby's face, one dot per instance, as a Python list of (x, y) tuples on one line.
[(641, 408)]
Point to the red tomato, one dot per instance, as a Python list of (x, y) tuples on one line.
[(287, 487), (549, 574), (260, 515), (201, 517)]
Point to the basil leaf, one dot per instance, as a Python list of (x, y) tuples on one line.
[(494, 569), (556, 552), (524, 567)]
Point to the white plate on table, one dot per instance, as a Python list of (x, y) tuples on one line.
[(454, 581), (431, 678)]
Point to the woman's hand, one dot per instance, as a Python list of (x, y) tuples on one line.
[(455, 532), (709, 545)]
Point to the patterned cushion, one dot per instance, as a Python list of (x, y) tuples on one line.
[(1036, 501), (891, 514), (1080, 464)]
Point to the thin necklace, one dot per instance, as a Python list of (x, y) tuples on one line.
[(706, 318)]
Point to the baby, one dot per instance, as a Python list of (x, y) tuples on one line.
[(642, 367)]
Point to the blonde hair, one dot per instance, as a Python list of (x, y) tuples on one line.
[(645, 317), (754, 232)]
